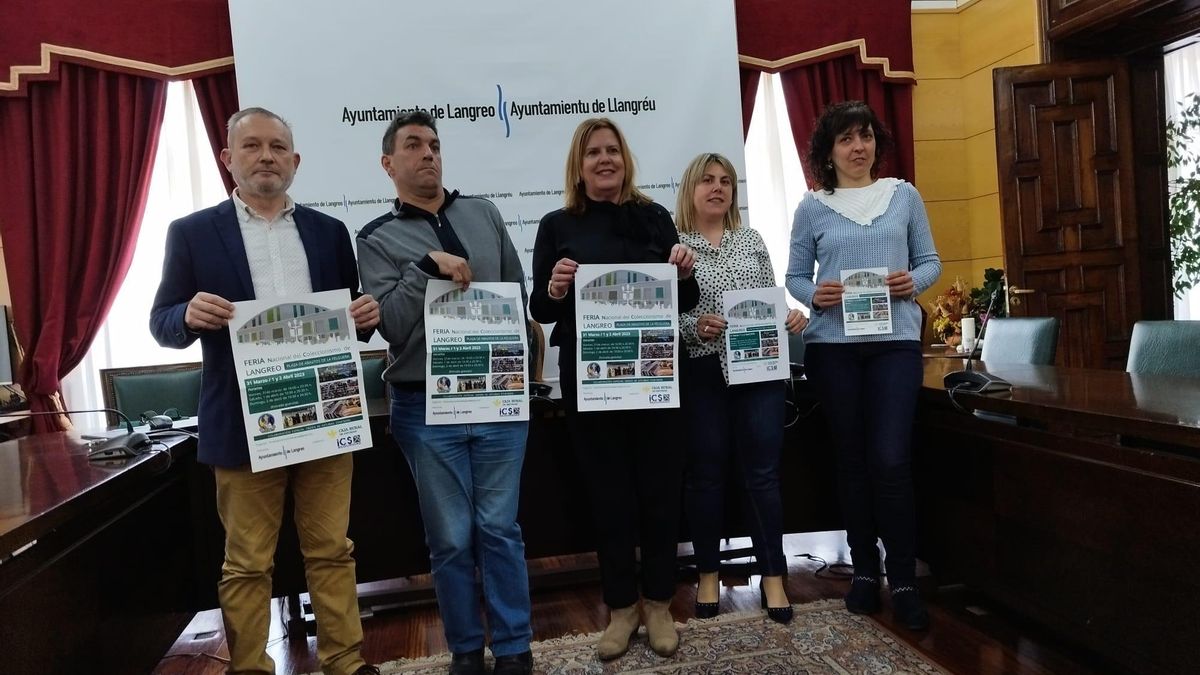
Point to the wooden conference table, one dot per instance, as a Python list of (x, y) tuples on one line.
[(1083, 516), (97, 566)]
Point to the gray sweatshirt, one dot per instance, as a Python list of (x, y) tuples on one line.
[(394, 266)]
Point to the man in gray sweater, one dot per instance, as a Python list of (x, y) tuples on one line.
[(468, 476)]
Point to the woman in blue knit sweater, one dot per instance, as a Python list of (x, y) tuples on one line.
[(867, 383)]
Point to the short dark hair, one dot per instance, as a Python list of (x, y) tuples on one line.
[(837, 118), (247, 112), (419, 117)]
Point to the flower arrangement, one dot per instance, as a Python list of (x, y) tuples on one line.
[(948, 309), (993, 285)]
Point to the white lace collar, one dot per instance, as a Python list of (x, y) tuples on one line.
[(861, 205)]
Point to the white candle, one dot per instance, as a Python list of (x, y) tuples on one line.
[(968, 332)]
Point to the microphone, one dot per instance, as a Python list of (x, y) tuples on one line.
[(130, 444), (969, 379)]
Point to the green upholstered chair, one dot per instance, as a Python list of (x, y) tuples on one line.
[(374, 362), (1165, 347), (136, 390), (796, 351), (1025, 340)]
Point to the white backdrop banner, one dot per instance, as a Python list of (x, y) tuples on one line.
[(507, 82)]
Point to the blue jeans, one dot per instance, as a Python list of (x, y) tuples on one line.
[(468, 480)]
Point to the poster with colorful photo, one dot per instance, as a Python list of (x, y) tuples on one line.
[(866, 304), (300, 378), (755, 340), (476, 360), (627, 324)]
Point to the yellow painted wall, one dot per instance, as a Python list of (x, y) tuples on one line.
[(954, 53)]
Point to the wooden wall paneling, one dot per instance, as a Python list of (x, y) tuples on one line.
[(1150, 179), (1064, 149)]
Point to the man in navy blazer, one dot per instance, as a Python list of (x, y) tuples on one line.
[(260, 244)]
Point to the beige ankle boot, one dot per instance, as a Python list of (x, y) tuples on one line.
[(660, 626), (622, 624)]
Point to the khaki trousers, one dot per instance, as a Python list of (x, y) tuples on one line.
[(251, 509)]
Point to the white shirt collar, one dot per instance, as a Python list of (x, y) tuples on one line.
[(246, 212), (861, 205)]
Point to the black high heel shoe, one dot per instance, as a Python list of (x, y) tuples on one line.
[(776, 614), (707, 610)]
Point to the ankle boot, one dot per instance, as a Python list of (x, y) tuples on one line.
[(863, 597), (660, 626), (622, 624), (908, 609)]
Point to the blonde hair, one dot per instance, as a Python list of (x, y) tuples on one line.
[(685, 206), (576, 196)]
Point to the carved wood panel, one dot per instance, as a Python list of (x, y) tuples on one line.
[(1064, 147)]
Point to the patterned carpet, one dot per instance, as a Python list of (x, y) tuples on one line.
[(823, 638)]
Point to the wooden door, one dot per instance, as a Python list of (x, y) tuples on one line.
[(1064, 145)]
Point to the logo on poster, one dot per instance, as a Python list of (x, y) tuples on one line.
[(349, 441)]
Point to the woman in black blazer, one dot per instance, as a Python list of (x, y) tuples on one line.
[(632, 459)]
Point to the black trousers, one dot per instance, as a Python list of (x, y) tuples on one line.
[(632, 461), (742, 423), (868, 391)]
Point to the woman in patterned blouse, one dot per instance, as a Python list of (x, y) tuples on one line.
[(854, 224), (744, 421)]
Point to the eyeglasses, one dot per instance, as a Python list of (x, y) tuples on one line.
[(173, 413)]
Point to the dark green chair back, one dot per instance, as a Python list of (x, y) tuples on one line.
[(1025, 340), (135, 390), (374, 362), (796, 348), (1165, 347)]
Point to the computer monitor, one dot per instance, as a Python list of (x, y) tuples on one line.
[(6, 371)]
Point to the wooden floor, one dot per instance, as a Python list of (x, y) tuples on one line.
[(968, 636)]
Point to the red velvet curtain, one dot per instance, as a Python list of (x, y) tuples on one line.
[(862, 51), (217, 97), (750, 80), (809, 88), (80, 151)]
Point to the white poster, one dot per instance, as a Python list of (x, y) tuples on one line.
[(508, 83), (866, 304), (476, 365), (755, 340), (300, 378), (627, 340)]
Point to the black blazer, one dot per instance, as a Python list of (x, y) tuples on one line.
[(205, 252)]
